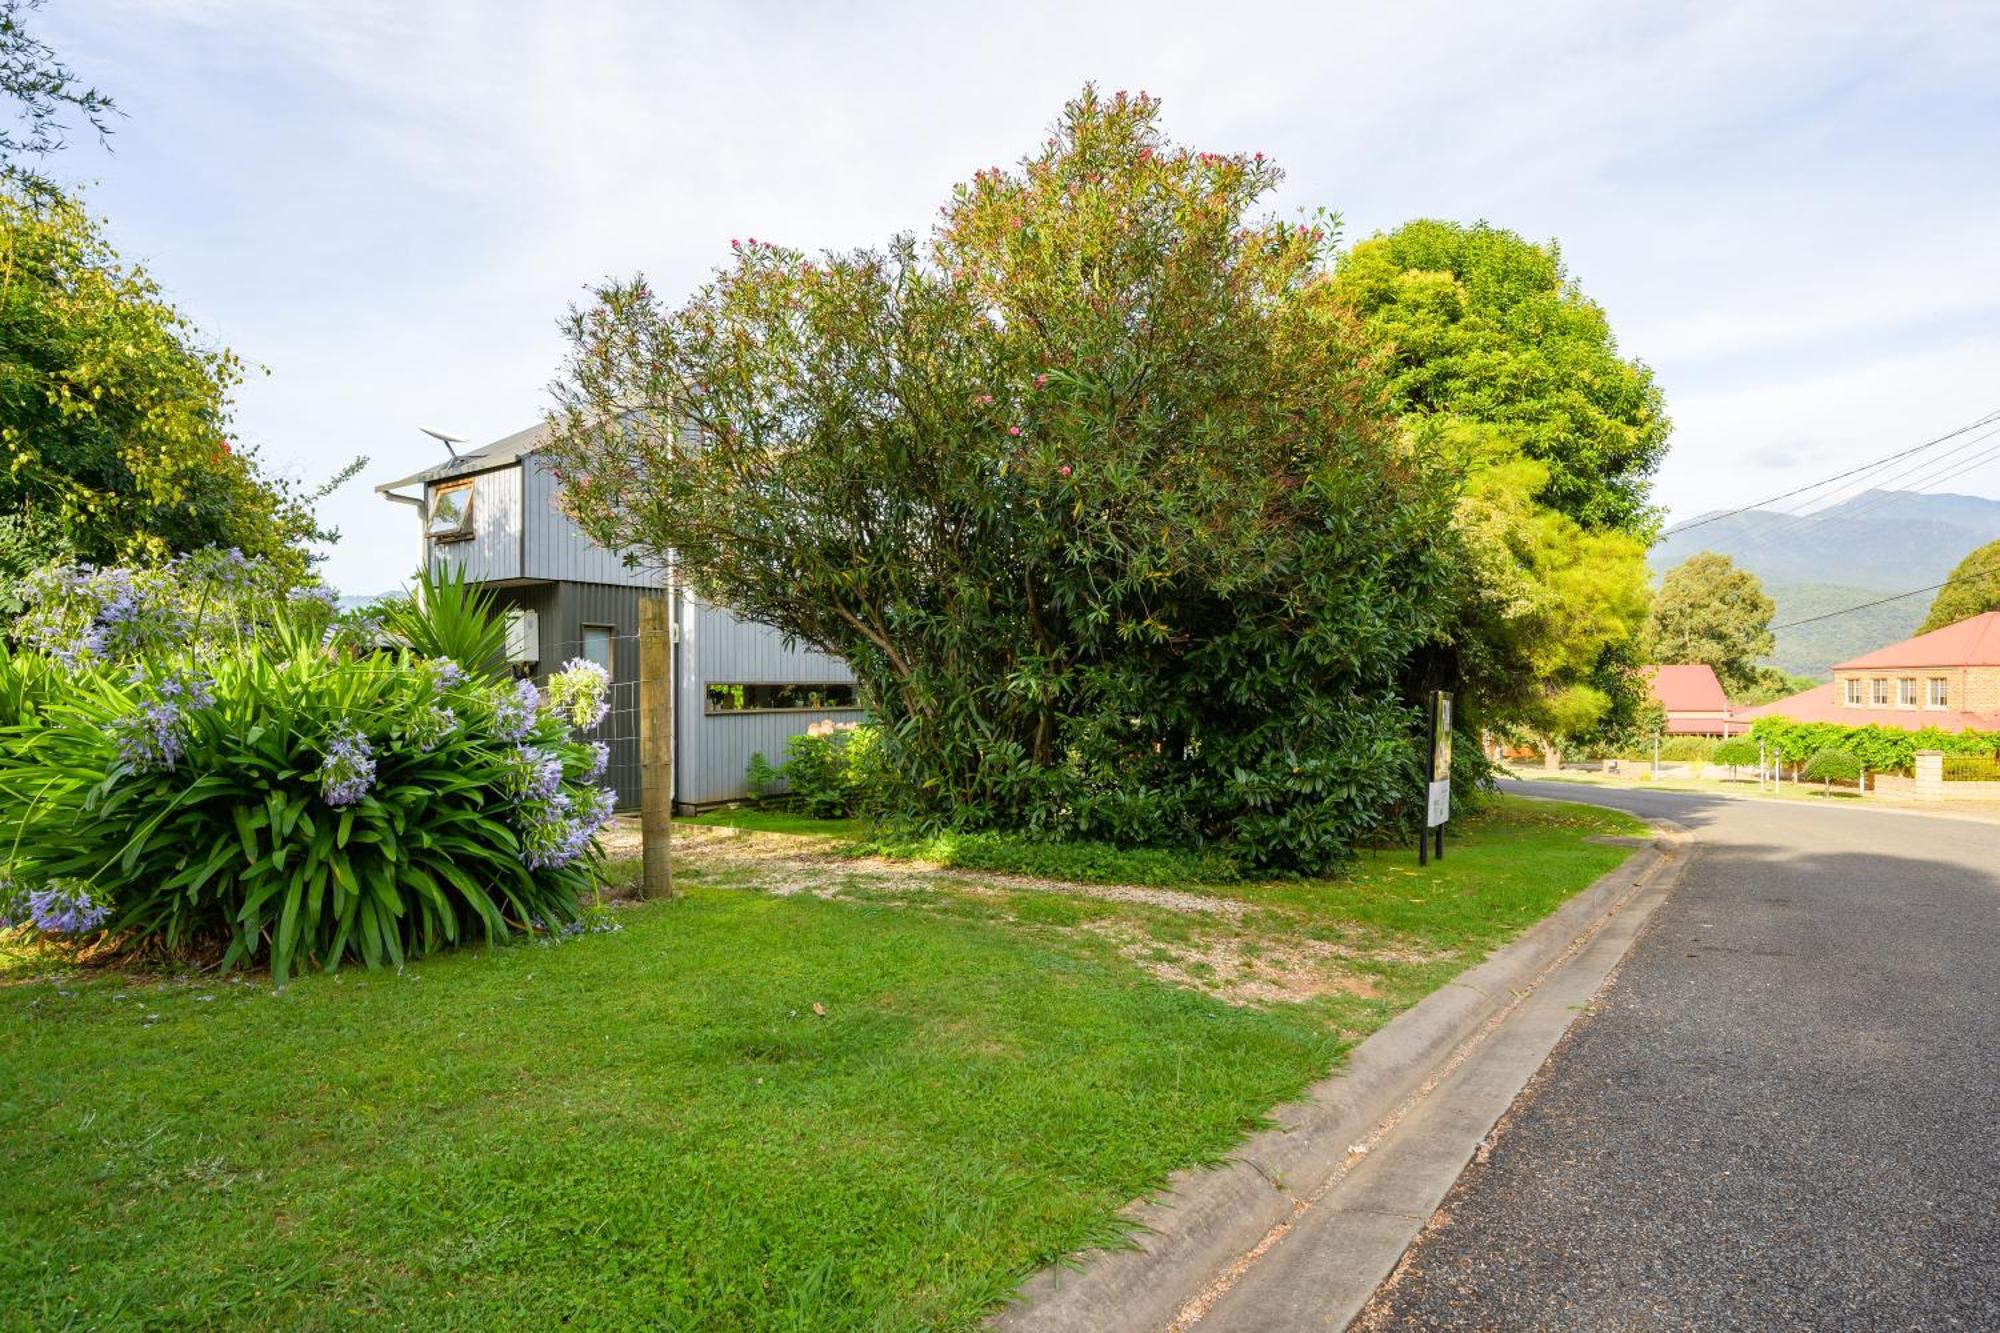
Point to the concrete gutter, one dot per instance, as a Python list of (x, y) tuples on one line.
[(1211, 1226)]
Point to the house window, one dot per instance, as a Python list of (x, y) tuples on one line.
[(1906, 692), (725, 697), (1853, 691), (1940, 696), (1878, 692), (597, 645), (451, 513)]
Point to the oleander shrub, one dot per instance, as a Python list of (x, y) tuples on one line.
[(1097, 490), (295, 804)]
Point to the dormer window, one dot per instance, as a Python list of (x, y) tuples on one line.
[(451, 513)]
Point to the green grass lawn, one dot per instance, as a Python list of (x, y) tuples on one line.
[(659, 1127)]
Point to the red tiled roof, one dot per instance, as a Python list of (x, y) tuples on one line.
[(1971, 642), (1686, 689), (1734, 725), (1822, 703)]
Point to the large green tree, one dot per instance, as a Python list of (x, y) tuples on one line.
[(1095, 490), (1485, 327), (1491, 347), (114, 413), (1708, 610), (1973, 588)]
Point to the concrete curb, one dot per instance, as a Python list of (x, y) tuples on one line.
[(1194, 1233)]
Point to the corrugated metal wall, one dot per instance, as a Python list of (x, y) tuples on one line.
[(580, 604), (713, 749), (557, 549), (494, 551)]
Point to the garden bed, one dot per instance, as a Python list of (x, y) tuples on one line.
[(820, 1091)]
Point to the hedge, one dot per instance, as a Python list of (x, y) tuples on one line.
[(1880, 749)]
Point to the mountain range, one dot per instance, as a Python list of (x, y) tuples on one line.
[(1871, 546)]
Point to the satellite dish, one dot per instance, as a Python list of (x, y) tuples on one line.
[(445, 438)]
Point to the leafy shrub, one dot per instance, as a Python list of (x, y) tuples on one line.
[(1737, 752), (1830, 766), (1089, 589), (1880, 749), (1687, 749), (1971, 768), (763, 777), (300, 806), (836, 771)]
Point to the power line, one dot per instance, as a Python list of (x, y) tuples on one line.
[(1850, 610), (1935, 471), (1986, 420)]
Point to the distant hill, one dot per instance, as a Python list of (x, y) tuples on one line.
[(1877, 543)]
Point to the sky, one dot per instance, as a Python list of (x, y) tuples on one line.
[(1790, 211)]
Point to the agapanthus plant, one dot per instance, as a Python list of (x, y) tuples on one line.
[(204, 602), (291, 802), (62, 907), (348, 770)]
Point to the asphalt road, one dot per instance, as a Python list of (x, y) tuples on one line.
[(1784, 1112)]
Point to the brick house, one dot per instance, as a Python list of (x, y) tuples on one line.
[(1694, 700), (1949, 678)]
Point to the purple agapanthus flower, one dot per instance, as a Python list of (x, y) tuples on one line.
[(348, 770), (600, 760), (66, 909), (445, 673), (150, 740), (534, 774), (559, 831), (514, 716)]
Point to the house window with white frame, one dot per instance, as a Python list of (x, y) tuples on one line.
[(1940, 694), (1906, 692), (1853, 692), (1878, 691)]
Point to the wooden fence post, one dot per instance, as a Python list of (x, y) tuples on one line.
[(656, 744)]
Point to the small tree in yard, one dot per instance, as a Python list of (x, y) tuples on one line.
[(1830, 766), (1735, 752), (1096, 491)]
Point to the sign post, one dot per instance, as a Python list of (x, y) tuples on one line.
[(1437, 778)]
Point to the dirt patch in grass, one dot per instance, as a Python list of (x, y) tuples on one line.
[(720, 848), (1266, 968), (1222, 946)]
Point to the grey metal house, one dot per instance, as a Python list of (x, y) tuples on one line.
[(738, 689)]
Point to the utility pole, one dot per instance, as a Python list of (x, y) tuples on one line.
[(656, 743)]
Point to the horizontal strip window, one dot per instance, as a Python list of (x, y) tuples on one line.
[(731, 698)]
